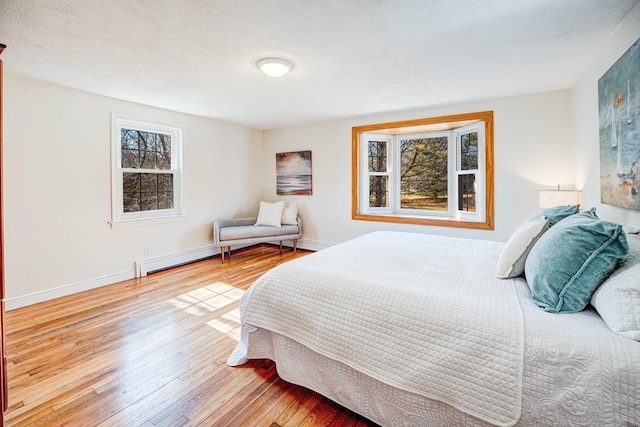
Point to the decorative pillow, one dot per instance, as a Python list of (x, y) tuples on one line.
[(514, 252), (557, 213), (270, 214), (569, 262), (618, 298), (290, 214)]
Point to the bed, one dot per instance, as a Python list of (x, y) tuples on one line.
[(410, 329)]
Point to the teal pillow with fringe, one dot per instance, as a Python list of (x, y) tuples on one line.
[(570, 261)]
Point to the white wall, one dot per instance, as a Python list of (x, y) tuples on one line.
[(533, 151), (57, 185), (584, 104)]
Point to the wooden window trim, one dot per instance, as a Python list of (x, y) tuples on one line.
[(487, 224)]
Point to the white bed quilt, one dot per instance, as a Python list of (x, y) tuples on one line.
[(425, 314)]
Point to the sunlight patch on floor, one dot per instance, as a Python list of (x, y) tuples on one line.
[(220, 288), (228, 325), (218, 299)]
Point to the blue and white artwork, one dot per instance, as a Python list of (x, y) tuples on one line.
[(619, 106), (293, 173)]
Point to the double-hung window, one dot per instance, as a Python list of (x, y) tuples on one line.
[(146, 171), (432, 171), (470, 166), (378, 174)]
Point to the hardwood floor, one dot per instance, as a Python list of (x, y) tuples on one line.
[(151, 352)]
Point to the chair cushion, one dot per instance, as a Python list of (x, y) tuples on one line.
[(253, 231)]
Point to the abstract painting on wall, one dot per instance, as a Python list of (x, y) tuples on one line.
[(619, 107), (293, 173)]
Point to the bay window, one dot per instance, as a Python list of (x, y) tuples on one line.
[(436, 171)]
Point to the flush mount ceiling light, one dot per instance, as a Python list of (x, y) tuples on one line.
[(274, 67)]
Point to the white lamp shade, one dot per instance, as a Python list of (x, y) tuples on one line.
[(551, 198), (275, 67)]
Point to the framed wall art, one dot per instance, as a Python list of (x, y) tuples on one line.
[(293, 173), (619, 109)]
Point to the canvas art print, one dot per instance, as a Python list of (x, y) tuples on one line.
[(293, 173), (619, 105)]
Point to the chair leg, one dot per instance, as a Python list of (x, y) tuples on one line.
[(295, 245), (223, 249), (280, 247)]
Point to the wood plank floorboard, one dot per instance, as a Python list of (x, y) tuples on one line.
[(152, 352)]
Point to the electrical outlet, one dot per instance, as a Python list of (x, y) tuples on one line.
[(147, 250)]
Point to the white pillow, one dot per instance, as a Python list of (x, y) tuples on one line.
[(290, 214), (618, 298), (270, 214), (514, 253)]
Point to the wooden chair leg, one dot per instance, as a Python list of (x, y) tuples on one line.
[(280, 247), (223, 249), (295, 245)]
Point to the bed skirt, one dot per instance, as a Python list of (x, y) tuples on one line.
[(379, 402)]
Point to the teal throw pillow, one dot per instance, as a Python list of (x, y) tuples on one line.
[(570, 261), (557, 213)]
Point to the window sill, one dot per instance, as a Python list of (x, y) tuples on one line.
[(122, 223), (421, 220)]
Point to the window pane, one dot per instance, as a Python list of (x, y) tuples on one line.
[(149, 201), (377, 156), (163, 149), (145, 140), (165, 182), (149, 182), (130, 182), (147, 159), (152, 141), (129, 139), (163, 160), (378, 191), (165, 199), (130, 158), (131, 201), (469, 151), (131, 192), (467, 192), (424, 172)]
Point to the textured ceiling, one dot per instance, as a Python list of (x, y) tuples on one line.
[(350, 57)]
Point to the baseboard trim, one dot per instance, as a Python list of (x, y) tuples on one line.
[(141, 268), (62, 291), (313, 245), (167, 261), (309, 245)]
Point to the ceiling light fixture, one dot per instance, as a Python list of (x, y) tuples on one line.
[(274, 67)]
